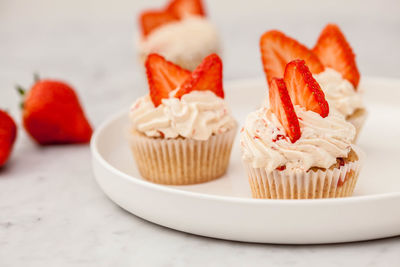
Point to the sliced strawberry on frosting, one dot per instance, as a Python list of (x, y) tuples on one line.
[(283, 109), (277, 50), (207, 76), (174, 11), (335, 52), (183, 8), (150, 20), (304, 89), (163, 77)]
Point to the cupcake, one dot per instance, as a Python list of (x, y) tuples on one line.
[(182, 132), (181, 33), (297, 147), (332, 63)]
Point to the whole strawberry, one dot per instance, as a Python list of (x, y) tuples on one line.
[(8, 134), (52, 114)]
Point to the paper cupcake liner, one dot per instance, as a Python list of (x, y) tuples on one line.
[(358, 122), (182, 161), (338, 182)]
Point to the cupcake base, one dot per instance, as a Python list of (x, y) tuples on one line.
[(182, 161), (330, 183)]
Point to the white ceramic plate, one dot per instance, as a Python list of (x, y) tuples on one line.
[(224, 208)]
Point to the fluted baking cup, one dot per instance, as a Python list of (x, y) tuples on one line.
[(182, 161), (289, 184)]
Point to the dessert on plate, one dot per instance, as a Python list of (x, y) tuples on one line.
[(297, 147), (180, 32), (182, 131), (332, 63)]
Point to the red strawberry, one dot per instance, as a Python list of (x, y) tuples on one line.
[(182, 8), (53, 115), (8, 134), (163, 77), (335, 52), (278, 49), (304, 89), (150, 20), (207, 76), (282, 107)]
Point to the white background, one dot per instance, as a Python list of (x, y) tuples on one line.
[(51, 211)]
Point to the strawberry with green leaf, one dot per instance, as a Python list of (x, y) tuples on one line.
[(52, 114)]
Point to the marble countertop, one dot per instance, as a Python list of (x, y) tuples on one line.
[(52, 213)]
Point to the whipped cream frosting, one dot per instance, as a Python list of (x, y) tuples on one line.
[(185, 42), (196, 115), (265, 145), (339, 92)]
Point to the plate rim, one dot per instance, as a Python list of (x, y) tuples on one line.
[(172, 190)]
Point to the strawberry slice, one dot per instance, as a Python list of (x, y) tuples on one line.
[(304, 89), (163, 77), (175, 10), (283, 109), (150, 20), (335, 52), (207, 76), (183, 8), (277, 50)]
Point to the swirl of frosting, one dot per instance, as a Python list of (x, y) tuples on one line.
[(185, 42), (339, 92), (264, 143), (196, 115)]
